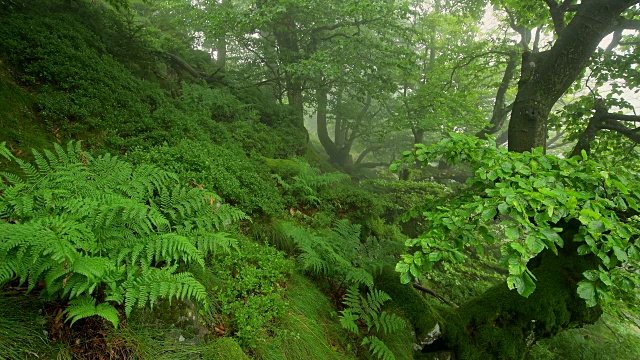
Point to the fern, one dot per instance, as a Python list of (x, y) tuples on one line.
[(100, 228), (85, 306), (162, 283), (378, 348), (367, 310), (334, 254), (308, 182), (4, 152)]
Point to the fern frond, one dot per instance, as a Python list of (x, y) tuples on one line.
[(161, 283), (170, 247), (211, 243), (378, 348), (5, 152), (360, 276), (375, 299), (389, 322), (85, 306), (348, 321)]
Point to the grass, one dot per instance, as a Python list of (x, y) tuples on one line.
[(307, 331), (22, 330)]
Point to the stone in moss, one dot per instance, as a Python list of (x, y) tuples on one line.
[(223, 349)]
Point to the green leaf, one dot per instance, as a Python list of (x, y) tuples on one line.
[(591, 275), (516, 267), (528, 285), (596, 227), (572, 203), (503, 208), (552, 236), (405, 278), (402, 267), (489, 214), (518, 247), (512, 233), (534, 244), (587, 291), (620, 254), (435, 256)]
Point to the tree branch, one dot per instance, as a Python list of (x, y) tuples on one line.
[(622, 117), (174, 59), (434, 294), (627, 24), (615, 40), (500, 111), (614, 125)]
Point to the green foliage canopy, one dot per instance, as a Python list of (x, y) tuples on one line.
[(522, 200)]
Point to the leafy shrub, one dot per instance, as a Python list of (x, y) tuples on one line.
[(353, 202), (537, 194), (102, 233), (402, 201), (301, 183), (247, 291), (227, 119), (226, 170), (81, 87)]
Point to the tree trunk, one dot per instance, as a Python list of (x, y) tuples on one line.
[(418, 135), (501, 324), (500, 109), (338, 155), (545, 78), (221, 46), (587, 137), (221, 50)]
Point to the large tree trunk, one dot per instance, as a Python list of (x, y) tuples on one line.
[(546, 77), (338, 155), (501, 324)]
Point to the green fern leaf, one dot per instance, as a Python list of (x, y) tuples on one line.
[(348, 321), (85, 306), (378, 348)]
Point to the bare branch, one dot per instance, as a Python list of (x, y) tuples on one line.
[(627, 24), (614, 125), (622, 117), (434, 294), (615, 40)]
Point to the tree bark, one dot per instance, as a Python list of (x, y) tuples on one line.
[(338, 155), (547, 77), (500, 109), (604, 120), (587, 137)]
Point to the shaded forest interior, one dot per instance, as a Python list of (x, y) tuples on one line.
[(303, 179)]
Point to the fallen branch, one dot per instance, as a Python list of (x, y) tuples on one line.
[(174, 59), (434, 294)]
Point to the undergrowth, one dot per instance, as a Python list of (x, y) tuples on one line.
[(104, 235)]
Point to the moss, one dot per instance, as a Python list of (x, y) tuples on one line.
[(223, 349), (283, 167), (409, 304), (18, 126), (501, 324)]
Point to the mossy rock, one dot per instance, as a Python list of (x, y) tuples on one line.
[(408, 303), (284, 167), (223, 349)]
